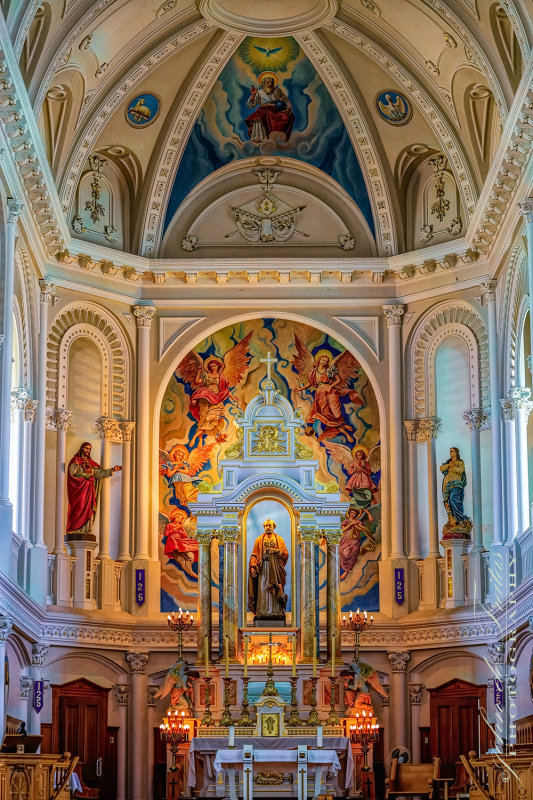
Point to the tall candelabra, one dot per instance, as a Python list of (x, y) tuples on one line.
[(245, 720), (313, 720), (207, 720), (357, 624), (174, 732), (179, 623), (226, 718), (365, 732), (333, 717)]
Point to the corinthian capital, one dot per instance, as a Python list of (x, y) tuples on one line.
[(229, 535), (127, 429), (488, 291), (526, 209), (143, 315), (393, 313), (507, 409), (309, 534), (137, 662), (6, 623), (399, 660), (63, 418), (415, 693), (519, 397), (204, 537), (38, 654), (14, 207), (48, 291), (30, 407), (477, 419), (428, 428), (108, 428), (121, 692), (411, 428), (333, 537)]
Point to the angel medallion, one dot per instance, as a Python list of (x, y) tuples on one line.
[(329, 379), (179, 467), (361, 465), (212, 381)]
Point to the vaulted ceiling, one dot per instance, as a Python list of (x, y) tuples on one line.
[(389, 114)]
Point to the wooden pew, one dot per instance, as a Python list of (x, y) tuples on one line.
[(413, 780)]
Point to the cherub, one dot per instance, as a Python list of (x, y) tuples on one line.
[(358, 679), (179, 682), (360, 464), (329, 378), (354, 526), (212, 381), (179, 466), (178, 544)]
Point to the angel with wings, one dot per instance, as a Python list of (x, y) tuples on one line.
[(360, 464), (212, 381), (179, 467), (178, 544), (179, 682), (359, 679), (330, 379)]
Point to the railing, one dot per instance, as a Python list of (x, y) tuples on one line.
[(34, 776)]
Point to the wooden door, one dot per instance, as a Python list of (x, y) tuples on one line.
[(456, 721), (79, 720)]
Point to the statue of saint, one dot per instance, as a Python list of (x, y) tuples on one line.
[(453, 494), (267, 575), (84, 478)]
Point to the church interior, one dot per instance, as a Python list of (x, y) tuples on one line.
[(266, 455)]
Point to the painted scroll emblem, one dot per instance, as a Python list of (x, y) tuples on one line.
[(393, 107)]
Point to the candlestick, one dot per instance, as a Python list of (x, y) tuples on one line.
[(207, 720), (332, 655), (314, 656), (245, 656), (294, 718), (245, 720), (333, 717), (206, 649), (226, 718), (294, 656), (313, 719), (226, 655)]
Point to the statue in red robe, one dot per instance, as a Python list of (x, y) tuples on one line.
[(84, 478)]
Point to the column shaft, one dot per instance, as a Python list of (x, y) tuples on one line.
[(399, 698), (308, 592), (522, 406), (394, 320), (5, 629), (47, 294), (144, 316), (138, 728), (205, 628), (414, 538), (510, 469), (63, 419), (415, 691), (27, 503), (105, 498), (124, 549), (333, 610), (433, 500), (230, 621)]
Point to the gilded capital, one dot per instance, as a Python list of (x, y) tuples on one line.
[(63, 418), (229, 535), (428, 428), (309, 534), (108, 428), (333, 537), (204, 537), (477, 419), (127, 429), (143, 315), (30, 407)]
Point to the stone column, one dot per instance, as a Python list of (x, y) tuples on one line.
[(6, 624), (19, 398), (124, 548), (385, 723), (230, 611), (526, 209), (143, 315), (37, 556), (333, 593), (488, 291), (399, 661), (7, 284), (509, 470), (62, 419), (38, 656), (415, 696), (309, 538), (477, 419), (121, 692), (520, 398), (138, 729), (411, 427), (205, 626), (393, 314), (428, 429), (30, 407)]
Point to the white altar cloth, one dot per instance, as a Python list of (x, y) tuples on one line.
[(324, 758), (200, 745)]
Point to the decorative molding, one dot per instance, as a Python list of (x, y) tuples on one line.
[(48, 291), (137, 662), (121, 692), (108, 428), (415, 693), (151, 692), (488, 291), (6, 623), (526, 208), (393, 313), (30, 407), (143, 315), (14, 209), (497, 652), (399, 660), (127, 430), (385, 701), (478, 419), (38, 654), (26, 685)]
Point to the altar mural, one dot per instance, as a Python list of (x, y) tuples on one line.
[(211, 388)]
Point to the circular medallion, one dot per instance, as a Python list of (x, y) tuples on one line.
[(273, 18), (143, 109), (393, 107)]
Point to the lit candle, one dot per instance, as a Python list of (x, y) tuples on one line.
[(314, 656), (245, 656), (231, 741), (294, 656), (226, 654), (206, 647), (332, 655)]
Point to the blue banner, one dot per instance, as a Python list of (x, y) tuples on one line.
[(399, 586), (38, 696), (140, 586)]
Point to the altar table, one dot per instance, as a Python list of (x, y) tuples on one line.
[(299, 761), (200, 775)]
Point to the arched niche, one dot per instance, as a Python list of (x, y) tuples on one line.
[(198, 444)]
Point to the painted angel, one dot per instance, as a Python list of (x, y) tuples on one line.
[(361, 465), (178, 544), (180, 466), (359, 679), (329, 379), (179, 683), (212, 381)]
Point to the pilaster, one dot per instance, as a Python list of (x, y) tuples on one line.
[(399, 661), (138, 729)]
